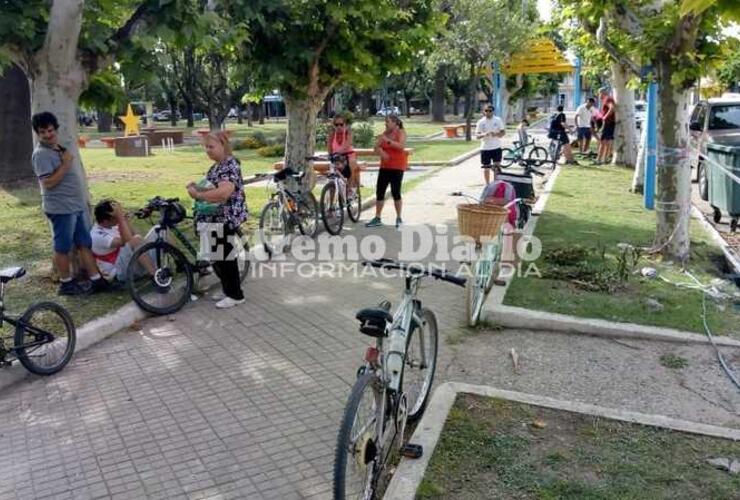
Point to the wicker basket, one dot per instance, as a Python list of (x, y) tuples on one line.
[(477, 220)]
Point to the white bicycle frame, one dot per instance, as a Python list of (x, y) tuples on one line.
[(398, 332), (339, 183)]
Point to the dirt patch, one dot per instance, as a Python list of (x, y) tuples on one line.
[(494, 448), (122, 176)]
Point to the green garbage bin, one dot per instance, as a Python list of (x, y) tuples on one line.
[(723, 190)]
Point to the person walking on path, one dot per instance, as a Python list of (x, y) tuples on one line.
[(584, 120), (224, 197), (64, 201), (558, 132), (340, 141), (489, 130), (609, 121), (391, 147)]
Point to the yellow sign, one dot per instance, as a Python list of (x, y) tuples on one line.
[(540, 56), (131, 121)]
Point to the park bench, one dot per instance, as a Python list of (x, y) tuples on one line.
[(110, 142), (451, 131), (202, 132)]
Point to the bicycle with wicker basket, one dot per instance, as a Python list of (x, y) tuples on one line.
[(484, 223)]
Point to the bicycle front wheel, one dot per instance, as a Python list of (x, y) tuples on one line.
[(475, 291), (308, 215), (357, 455), (508, 157), (45, 338), (420, 364), (539, 155), (168, 288), (331, 209)]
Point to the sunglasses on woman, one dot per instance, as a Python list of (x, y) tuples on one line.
[(339, 124)]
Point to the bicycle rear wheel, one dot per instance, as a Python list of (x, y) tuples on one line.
[(332, 211), (45, 338), (420, 364), (356, 457), (171, 285), (308, 215), (354, 204), (508, 157)]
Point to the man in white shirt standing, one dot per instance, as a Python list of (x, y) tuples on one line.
[(584, 117), (489, 130), (114, 242)]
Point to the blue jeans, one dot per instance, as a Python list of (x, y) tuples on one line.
[(69, 230)]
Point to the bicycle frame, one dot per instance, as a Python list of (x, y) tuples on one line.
[(339, 182)]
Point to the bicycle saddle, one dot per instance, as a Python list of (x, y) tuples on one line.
[(11, 273), (374, 319)]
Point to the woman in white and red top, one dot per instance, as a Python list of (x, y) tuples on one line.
[(340, 141)]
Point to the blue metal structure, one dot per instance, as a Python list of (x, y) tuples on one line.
[(651, 154)]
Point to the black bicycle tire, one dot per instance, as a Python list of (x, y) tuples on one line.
[(244, 272), (331, 186), (182, 260), (359, 208), (71, 334), (429, 315), (511, 156), (310, 201), (343, 436), (539, 159), (267, 247)]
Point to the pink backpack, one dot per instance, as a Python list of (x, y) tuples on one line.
[(500, 193)]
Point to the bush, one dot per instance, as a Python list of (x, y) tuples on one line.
[(279, 139), (255, 140), (272, 150), (363, 135), (323, 129)]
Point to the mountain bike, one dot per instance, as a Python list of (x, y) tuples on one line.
[(510, 156), (288, 210), (45, 334), (337, 194), (392, 386), (173, 282)]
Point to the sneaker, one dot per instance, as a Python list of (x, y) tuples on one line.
[(374, 222), (398, 222), (72, 288), (218, 296), (100, 285), (228, 302)]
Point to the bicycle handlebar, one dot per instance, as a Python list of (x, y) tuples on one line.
[(416, 270), (156, 203)]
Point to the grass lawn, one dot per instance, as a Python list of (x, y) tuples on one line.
[(25, 231), (492, 448), (591, 208)]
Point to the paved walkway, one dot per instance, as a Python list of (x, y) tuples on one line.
[(246, 403)]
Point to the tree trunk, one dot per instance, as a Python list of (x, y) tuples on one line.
[(625, 137), (407, 100), (469, 100), (673, 178), (189, 112), (16, 140), (261, 112), (300, 141), (456, 105), (438, 96), (105, 121), (250, 111), (172, 101), (638, 180), (239, 118)]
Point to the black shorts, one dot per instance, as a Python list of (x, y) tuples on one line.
[(490, 155), (584, 133), (607, 133), (559, 135), (389, 176)]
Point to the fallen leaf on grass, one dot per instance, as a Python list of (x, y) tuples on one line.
[(539, 424)]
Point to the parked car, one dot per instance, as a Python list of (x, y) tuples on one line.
[(388, 110), (164, 116), (712, 121)]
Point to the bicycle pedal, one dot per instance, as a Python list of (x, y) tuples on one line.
[(409, 450)]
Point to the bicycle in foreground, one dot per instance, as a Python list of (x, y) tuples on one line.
[(511, 156), (392, 386), (45, 334), (338, 194), (174, 279), (287, 210)]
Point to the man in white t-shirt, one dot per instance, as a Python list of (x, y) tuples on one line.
[(489, 130), (114, 242), (584, 121)]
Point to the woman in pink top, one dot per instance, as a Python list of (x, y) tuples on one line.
[(340, 141)]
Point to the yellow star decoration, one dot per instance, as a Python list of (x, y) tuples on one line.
[(131, 121)]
